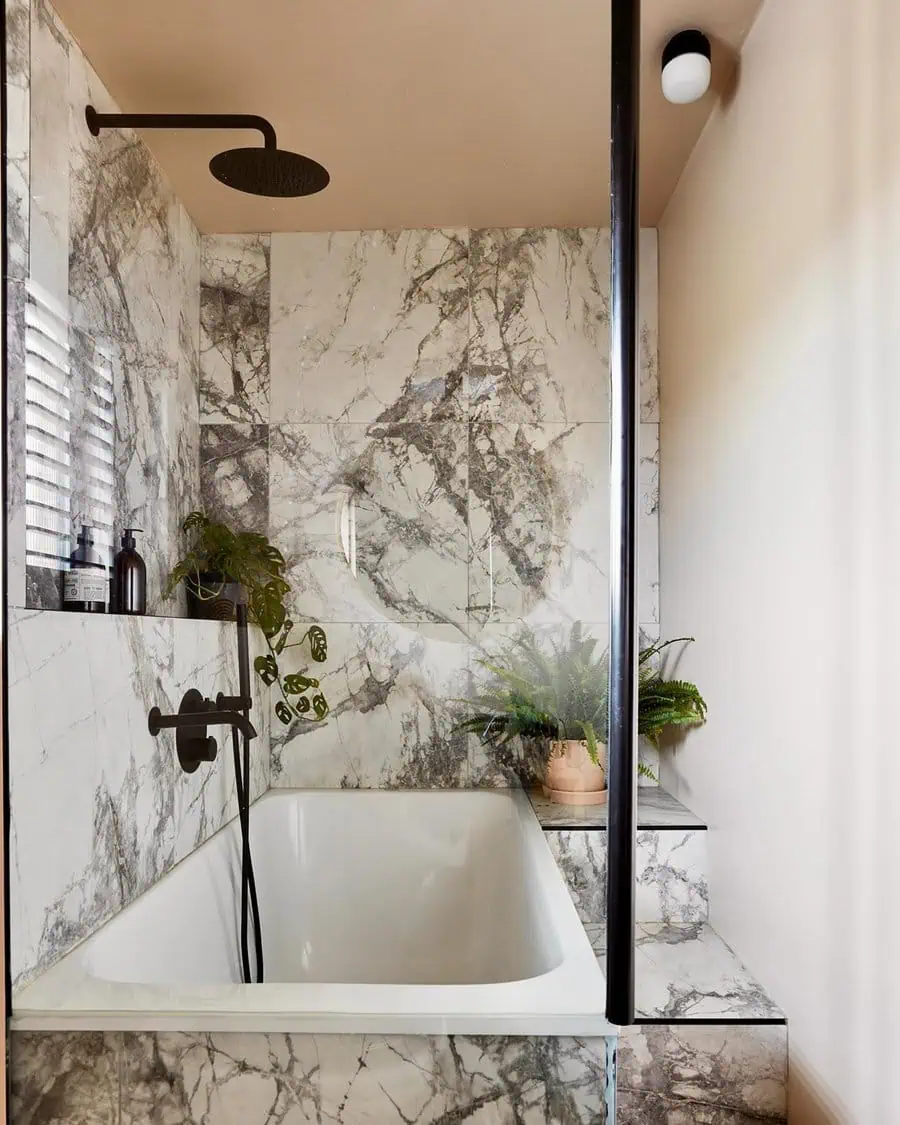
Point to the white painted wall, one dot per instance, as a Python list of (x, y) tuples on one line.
[(780, 536)]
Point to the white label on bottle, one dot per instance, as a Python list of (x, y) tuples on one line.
[(85, 584)]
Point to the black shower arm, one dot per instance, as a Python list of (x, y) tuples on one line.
[(97, 121)]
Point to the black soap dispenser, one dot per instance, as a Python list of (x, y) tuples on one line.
[(85, 582), (130, 577)]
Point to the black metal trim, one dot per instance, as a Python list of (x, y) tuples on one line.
[(730, 1021), (623, 637), (97, 121), (639, 826)]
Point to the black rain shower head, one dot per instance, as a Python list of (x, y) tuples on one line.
[(269, 170)]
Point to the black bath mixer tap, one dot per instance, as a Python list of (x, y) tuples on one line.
[(194, 715)]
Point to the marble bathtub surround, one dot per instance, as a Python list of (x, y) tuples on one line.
[(133, 1078), (655, 809), (104, 384), (369, 326), (234, 325), (725, 1075), (684, 971), (83, 760), (670, 872)]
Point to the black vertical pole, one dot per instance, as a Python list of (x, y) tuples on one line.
[(623, 640)]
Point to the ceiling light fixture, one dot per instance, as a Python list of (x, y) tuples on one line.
[(686, 67)]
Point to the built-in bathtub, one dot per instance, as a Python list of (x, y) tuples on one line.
[(422, 913)]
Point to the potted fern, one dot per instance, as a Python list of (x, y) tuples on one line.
[(559, 694), (215, 560)]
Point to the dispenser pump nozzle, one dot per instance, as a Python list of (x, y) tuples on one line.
[(128, 540)]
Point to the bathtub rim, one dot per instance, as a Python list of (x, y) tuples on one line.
[(566, 1000)]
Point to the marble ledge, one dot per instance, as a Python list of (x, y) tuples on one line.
[(685, 972), (656, 809)]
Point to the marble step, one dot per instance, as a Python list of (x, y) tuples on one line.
[(686, 972), (671, 863)]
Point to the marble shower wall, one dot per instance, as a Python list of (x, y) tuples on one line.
[(103, 287), (100, 809), (420, 420)]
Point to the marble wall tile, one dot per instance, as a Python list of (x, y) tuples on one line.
[(369, 326), (112, 263), (222, 1079), (725, 1075), (670, 872), (392, 690), (372, 519), (539, 522), (234, 475), (18, 171), (70, 1077), (18, 42), (49, 139), (234, 320), (540, 325), (82, 760)]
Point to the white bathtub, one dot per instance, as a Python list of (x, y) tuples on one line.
[(388, 912)]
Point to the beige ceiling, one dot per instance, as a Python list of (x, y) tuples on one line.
[(426, 112)]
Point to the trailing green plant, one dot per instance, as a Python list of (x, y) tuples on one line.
[(250, 559), (561, 691)]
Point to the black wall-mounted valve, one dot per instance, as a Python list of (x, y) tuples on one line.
[(195, 714)]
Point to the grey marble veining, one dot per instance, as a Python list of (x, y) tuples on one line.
[(372, 519), (685, 971), (82, 759), (655, 809), (370, 326), (112, 338), (670, 873), (539, 524), (234, 319), (540, 325), (258, 1079), (234, 475), (392, 690), (726, 1075)]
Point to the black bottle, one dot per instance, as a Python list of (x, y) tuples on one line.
[(85, 584), (129, 577)]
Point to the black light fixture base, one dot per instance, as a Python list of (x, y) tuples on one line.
[(690, 42)]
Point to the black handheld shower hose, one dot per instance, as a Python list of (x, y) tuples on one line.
[(249, 900)]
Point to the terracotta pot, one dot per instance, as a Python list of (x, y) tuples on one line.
[(571, 777)]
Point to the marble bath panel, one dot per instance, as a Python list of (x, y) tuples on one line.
[(83, 761), (372, 519), (262, 1079), (65, 1077), (539, 522), (135, 1078), (392, 690), (540, 342), (670, 873), (726, 1075), (234, 320), (234, 475), (370, 326)]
